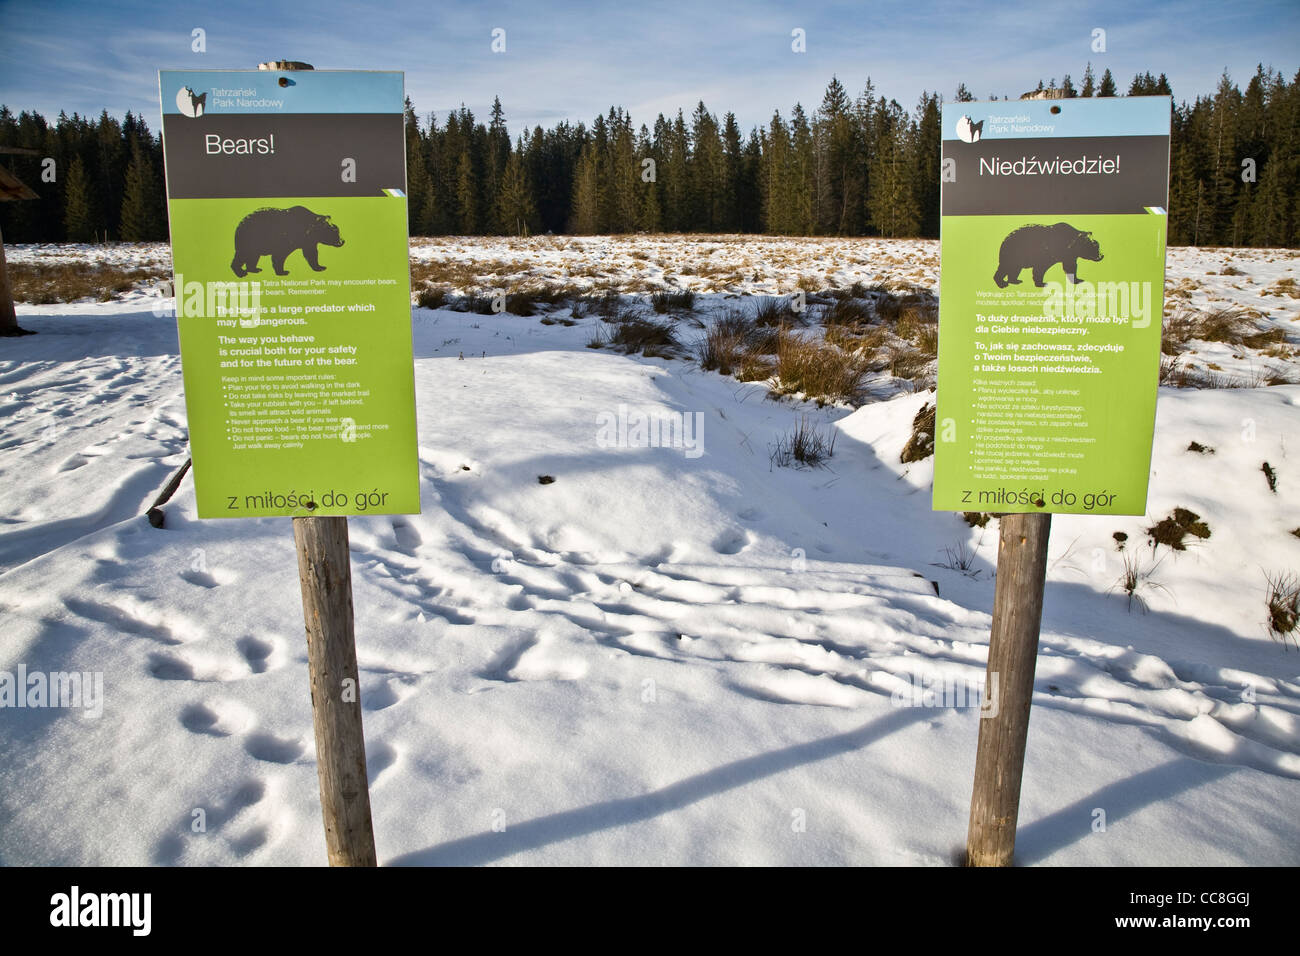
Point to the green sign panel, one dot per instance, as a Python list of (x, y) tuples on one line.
[(286, 197), (1050, 303)]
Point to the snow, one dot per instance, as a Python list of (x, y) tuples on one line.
[(655, 659)]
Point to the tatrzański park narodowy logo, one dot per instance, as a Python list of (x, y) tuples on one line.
[(191, 104), (968, 131)]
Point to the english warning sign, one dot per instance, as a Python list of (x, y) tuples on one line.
[(286, 200)]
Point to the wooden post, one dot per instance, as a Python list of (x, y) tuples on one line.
[(325, 575), (11, 189), (8, 315), (1009, 685)]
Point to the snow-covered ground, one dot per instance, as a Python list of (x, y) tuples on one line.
[(659, 657)]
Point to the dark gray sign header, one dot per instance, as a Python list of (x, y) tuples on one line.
[(250, 156), (1098, 175)]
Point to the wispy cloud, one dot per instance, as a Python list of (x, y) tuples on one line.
[(568, 60)]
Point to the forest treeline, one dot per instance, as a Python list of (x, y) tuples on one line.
[(857, 165)]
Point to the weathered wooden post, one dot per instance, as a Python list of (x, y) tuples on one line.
[(1009, 684), (325, 577), (10, 190)]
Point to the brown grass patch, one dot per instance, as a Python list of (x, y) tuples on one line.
[(1283, 287), (650, 337), (1173, 529), (726, 342), (921, 444), (45, 283), (820, 372)]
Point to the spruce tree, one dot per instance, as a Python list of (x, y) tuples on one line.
[(1268, 220), (748, 191), (418, 182), (838, 158), (648, 217), (623, 175), (587, 198), (707, 172), (864, 110), (78, 221), (674, 176), (734, 174), (515, 213), (467, 196), (1182, 200), (894, 206), (925, 161), (776, 180), (802, 173), (139, 218), (649, 211), (498, 154), (106, 173)]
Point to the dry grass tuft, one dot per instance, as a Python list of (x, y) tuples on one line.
[(727, 342), (668, 300), (1283, 605), (650, 337), (921, 445), (1283, 287), (805, 446), (820, 372), (846, 312), (1173, 529), (775, 311), (432, 297)]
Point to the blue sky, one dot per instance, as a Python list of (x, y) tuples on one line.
[(570, 60)]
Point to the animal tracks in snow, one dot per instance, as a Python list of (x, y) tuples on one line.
[(837, 635), (220, 717), (132, 618), (251, 655), (247, 818)]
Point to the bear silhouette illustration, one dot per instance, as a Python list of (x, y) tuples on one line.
[(278, 233), (1041, 247)]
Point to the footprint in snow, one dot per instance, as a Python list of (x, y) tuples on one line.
[(200, 578), (274, 749), (408, 538), (221, 717), (242, 818), (731, 542), (256, 652)]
